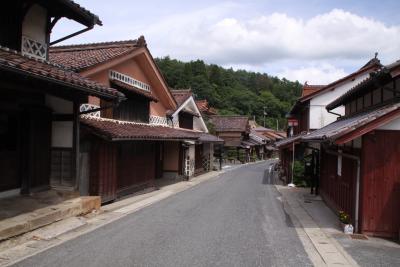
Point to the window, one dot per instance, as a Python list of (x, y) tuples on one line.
[(133, 109)]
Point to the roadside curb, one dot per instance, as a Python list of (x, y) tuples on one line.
[(329, 250)]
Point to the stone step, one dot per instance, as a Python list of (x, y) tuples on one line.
[(33, 220)]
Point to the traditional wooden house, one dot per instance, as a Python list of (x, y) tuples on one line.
[(188, 116), (39, 103), (267, 136), (360, 154), (234, 130), (309, 114), (146, 137)]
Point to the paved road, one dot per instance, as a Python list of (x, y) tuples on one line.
[(234, 220)]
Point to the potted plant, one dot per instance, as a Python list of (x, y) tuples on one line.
[(345, 224)]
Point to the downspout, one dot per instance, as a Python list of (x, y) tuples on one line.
[(356, 215)]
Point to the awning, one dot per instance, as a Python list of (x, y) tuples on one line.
[(347, 129), (289, 140), (114, 130), (209, 138), (31, 69)]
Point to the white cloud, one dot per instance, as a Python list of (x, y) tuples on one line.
[(315, 49), (321, 74), (222, 39)]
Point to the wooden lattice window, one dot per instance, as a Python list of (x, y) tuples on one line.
[(62, 166)]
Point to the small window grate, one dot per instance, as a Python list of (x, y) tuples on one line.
[(61, 166)]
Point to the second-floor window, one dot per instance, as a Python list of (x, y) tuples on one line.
[(185, 120), (133, 109)]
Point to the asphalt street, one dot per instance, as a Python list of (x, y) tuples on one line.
[(236, 219)]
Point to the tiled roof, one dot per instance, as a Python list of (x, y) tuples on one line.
[(259, 140), (376, 79), (205, 108), (281, 133), (259, 135), (132, 89), (85, 15), (262, 129), (181, 95), (230, 123), (202, 105), (13, 61), (81, 56), (349, 124), (247, 143), (274, 136), (309, 89), (371, 65), (114, 130), (290, 140), (209, 138)]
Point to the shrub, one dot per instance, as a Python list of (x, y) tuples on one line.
[(344, 217), (298, 173)]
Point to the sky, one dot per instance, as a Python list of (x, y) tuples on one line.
[(317, 41)]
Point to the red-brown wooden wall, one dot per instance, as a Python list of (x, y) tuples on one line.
[(381, 183), (338, 191), (136, 166), (120, 168), (103, 169)]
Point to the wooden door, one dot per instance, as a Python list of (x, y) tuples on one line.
[(136, 166), (103, 169), (381, 183)]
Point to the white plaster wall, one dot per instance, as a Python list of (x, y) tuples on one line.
[(191, 152), (393, 125), (34, 24), (319, 116), (198, 126), (61, 131), (62, 134), (197, 121)]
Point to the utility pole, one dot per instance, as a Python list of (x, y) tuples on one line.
[(265, 113)]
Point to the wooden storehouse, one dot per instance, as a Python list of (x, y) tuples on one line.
[(235, 131)]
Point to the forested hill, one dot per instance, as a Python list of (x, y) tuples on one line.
[(233, 92)]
